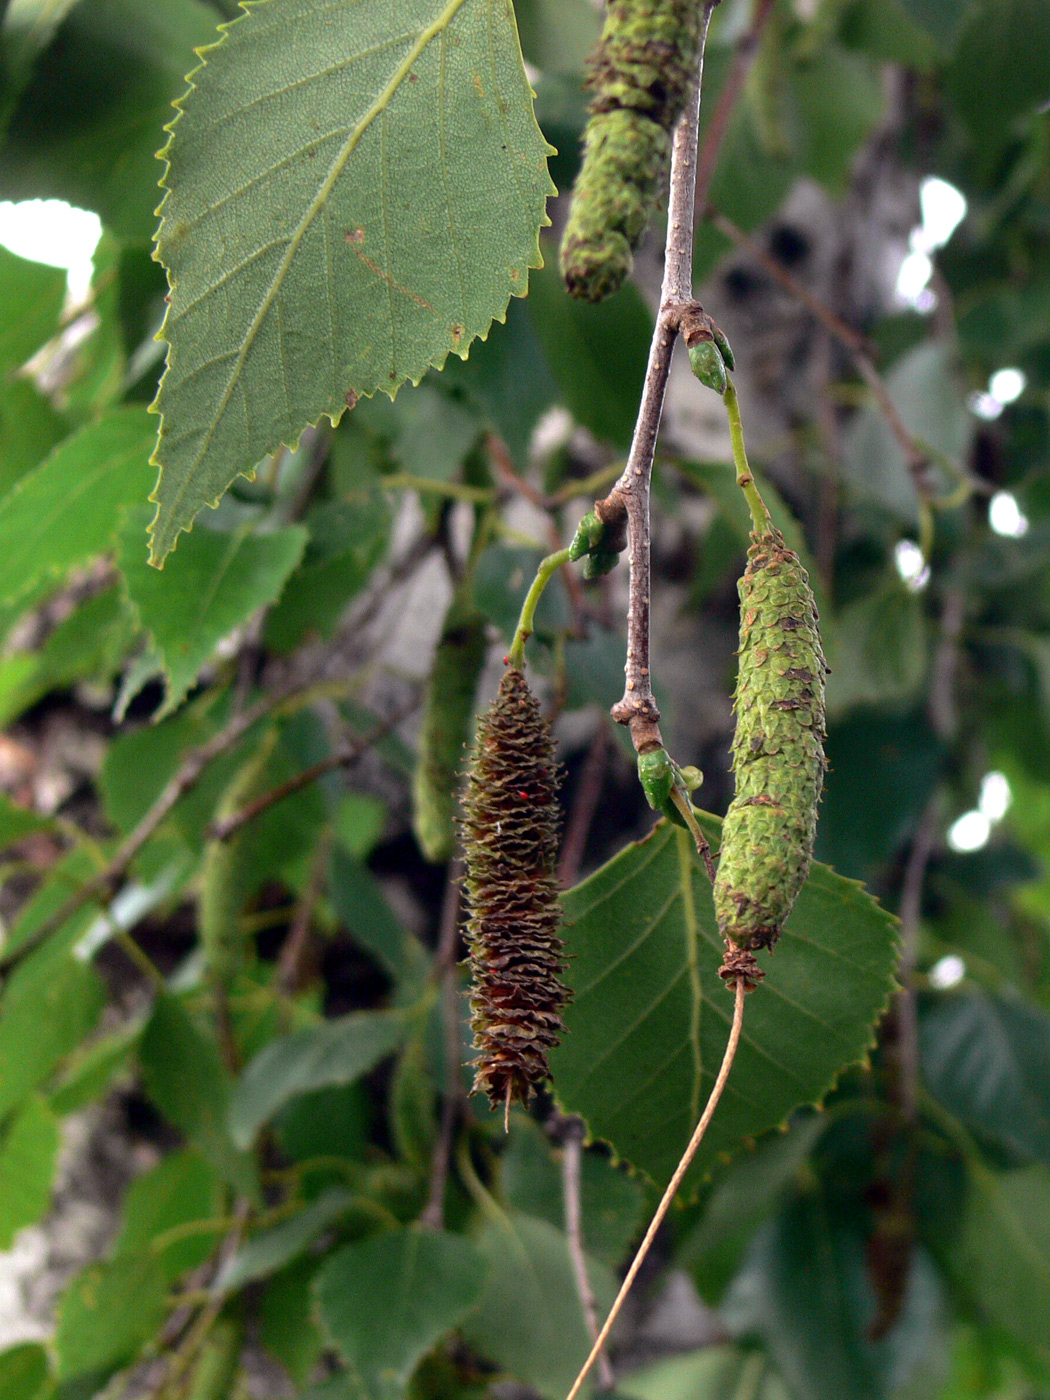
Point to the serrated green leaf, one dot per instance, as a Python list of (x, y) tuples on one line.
[(387, 1301), (529, 1320), (217, 582), (186, 1080), (24, 1373), (988, 1061), (67, 510), (628, 1064), (272, 1249), (181, 1190), (107, 1313), (335, 1052), (379, 202), (28, 1153)]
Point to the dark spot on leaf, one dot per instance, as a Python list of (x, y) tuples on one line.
[(351, 398), (356, 235)]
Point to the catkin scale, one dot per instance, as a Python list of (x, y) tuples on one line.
[(640, 76), (778, 748), (510, 842), (449, 708)]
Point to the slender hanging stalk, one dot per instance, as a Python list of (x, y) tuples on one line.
[(672, 1185)]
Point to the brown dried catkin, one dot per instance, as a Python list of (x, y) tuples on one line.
[(510, 845)]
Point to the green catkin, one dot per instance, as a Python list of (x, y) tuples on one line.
[(778, 748), (641, 75), (445, 732), (510, 845)]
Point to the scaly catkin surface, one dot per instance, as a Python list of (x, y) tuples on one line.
[(778, 748), (510, 842)]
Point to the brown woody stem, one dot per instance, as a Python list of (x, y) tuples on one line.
[(638, 709)]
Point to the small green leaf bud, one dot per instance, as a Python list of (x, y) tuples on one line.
[(708, 365), (724, 348), (656, 773)]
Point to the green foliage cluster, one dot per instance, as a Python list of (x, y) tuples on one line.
[(355, 198)]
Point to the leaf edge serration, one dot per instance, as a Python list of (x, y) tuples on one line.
[(162, 544)]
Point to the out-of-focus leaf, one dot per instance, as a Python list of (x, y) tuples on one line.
[(1003, 1253), (28, 1153), (923, 386), (386, 1301), (50, 1002), (715, 1373), (880, 650), (108, 1312), (988, 1061), (557, 35), (288, 1326), (363, 911), (31, 297), (17, 822), (529, 1320), (29, 429), (24, 1373), (185, 1078), (1000, 68), (91, 1070), (215, 584), (881, 774), (629, 1064), (743, 1199), (181, 1190), (839, 101), (272, 1249), (597, 354), (611, 1201), (335, 1052), (68, 510), (805, 1293), (89, 124), (294, 270)]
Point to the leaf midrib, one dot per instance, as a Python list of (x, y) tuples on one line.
[(438, 26)]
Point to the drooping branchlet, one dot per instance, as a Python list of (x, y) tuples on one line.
[(510, 848), (778, 748), (641, 75)]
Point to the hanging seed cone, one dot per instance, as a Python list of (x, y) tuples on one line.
[(510, 847), (778, 748)]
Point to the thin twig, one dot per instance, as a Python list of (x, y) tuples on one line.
[(293, 950), (344, 757), (910, 913), (452, 1090), (638, 708), (672, 1185), (571, 1168), (747, 49)]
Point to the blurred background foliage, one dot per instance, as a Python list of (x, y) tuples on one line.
[(212, 1180)]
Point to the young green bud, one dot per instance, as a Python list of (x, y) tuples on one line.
[(510, 845), (778, 753), (708, 365)]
